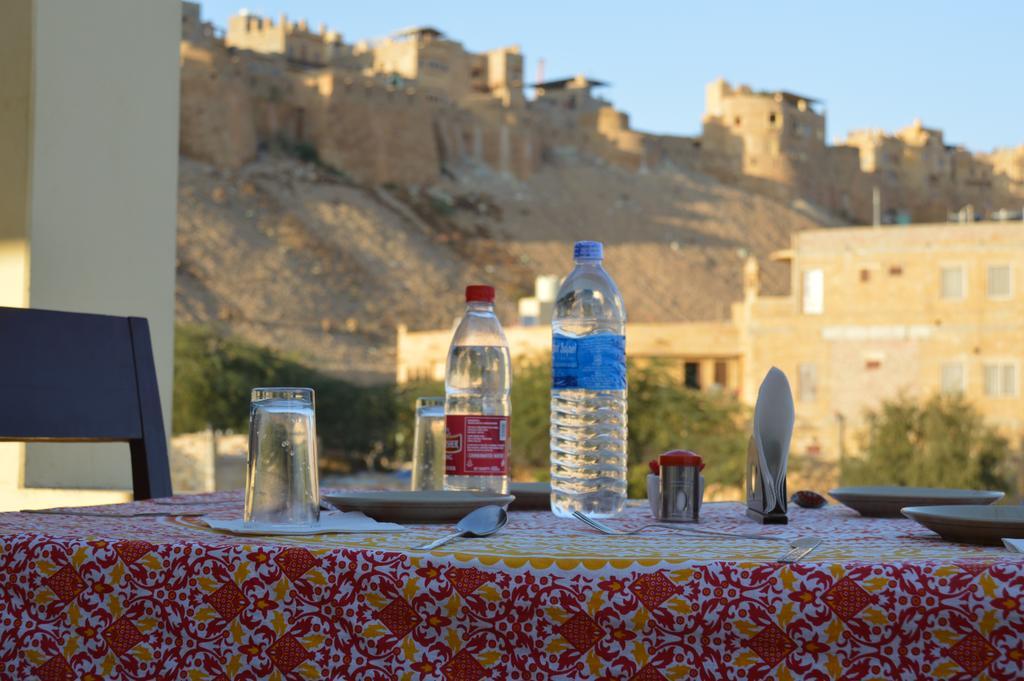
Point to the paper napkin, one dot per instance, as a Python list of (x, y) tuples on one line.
[(330, 523), (1015, 545)]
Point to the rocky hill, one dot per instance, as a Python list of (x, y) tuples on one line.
[(297, 257)]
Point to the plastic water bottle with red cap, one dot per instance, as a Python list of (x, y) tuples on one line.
[(478, 386), (588, 390)]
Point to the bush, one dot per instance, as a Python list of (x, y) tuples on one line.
[(943, 442), (213, 378), (663, 415)]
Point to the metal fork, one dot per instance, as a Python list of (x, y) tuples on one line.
[(799, 549), (601, 527)]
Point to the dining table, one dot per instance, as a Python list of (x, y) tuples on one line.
[(107, 593)]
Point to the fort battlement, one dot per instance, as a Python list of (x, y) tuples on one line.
[(295, 83)]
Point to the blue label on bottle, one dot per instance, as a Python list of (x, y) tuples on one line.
[(591, 363)]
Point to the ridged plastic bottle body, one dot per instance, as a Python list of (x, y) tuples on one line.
[(478, 383), (588, 426)]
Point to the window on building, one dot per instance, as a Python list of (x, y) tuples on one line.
[(953, 380), (1000, 379), (807, 382), (691, 375), (865, 275), (952, 282), (814, 291), (737, 121), (999, 281), (895, 270), (772, 120), (721, 374)]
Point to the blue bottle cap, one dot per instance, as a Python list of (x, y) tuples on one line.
[(588, 250)]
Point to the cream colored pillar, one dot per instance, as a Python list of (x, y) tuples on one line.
[(88, 190)]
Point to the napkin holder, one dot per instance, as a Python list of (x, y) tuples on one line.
[(757, 501), (768, 450)]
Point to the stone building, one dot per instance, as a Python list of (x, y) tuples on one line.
[(775, 136), (703, 355), (417, 105), (440, 67), (291, 39), (569, 96), (872, 313), (920, 177), (499, 73), (774, 143), (192, 28)]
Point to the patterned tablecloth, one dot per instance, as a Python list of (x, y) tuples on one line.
[(166, 597)]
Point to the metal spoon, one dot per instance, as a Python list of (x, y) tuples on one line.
[(480, 522)]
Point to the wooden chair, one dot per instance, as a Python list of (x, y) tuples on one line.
[(69, 377)]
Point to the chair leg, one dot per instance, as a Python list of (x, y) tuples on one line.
[(151, 474)]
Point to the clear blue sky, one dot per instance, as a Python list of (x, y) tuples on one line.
[(957, 65)]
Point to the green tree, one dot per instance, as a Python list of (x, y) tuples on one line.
[(531, 421), (664, 414), (213, 378), (943, 442)]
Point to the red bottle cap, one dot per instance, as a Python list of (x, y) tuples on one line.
[(479, 294), (654, 466), (681, 457)]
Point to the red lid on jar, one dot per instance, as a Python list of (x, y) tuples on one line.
[(479, 294), (681, 457)]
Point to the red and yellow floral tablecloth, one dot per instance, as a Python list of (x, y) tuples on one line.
[(168, 598)]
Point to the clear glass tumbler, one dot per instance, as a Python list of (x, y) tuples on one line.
[(281, 483), (428, 444)]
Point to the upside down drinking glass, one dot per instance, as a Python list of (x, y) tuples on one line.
[(428, 444), (281, 485)]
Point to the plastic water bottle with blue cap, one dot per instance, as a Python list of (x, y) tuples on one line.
[(588, 390)]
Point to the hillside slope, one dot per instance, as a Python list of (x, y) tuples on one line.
[(288, 255)]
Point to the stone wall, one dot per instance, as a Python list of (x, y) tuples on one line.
[(217, 122), (376, 134)]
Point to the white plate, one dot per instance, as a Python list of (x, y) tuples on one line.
[(971, 524), (886, 502), (417, 507), (330, 523)]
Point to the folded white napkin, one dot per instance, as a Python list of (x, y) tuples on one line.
[(1015, 545), (330, 523)]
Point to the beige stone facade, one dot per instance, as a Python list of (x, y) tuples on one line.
[(876, 312), (291, 39), (873, 313), (705, 355), (921, 178)]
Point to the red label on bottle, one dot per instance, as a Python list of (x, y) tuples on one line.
[(476, 445)]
